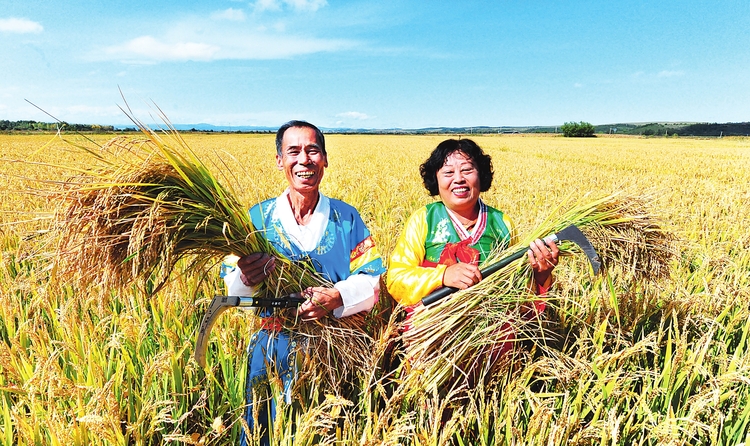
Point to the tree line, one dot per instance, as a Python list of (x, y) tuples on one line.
[(32, 126)]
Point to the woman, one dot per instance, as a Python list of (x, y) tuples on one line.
[(444, 242)]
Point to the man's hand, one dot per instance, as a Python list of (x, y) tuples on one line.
[(543, 258), (461, 275), (320, 302), (255, 267)]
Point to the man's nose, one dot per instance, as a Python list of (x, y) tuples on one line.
[(303, 157)]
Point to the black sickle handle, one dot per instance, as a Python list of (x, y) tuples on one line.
[(445, 291)]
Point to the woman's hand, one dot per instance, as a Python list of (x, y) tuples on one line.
[(543, 258), (461, 275), (255, 267), (320, 301)]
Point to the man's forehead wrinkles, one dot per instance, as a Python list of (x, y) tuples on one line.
[(297, 146)]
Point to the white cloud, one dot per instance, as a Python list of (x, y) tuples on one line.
[(279, 46), (220, 46), (578, 85), (267, 5), (231, 14), (354, 115), (195, 39), (306, 5), (296, 5), (150, 49), (661, 74), (667, 73), (20, 26)]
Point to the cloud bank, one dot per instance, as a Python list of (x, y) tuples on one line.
[(231, 34), (147, 48), (20, 26)]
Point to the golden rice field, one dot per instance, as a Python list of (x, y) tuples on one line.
[(653, 362)]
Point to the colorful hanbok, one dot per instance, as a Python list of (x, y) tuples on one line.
[(341, 249), (432, 240)]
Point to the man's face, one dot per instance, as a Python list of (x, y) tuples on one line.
[(302, 160)]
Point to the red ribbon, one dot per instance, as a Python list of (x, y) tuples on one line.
[(272, 323), (454, 253)]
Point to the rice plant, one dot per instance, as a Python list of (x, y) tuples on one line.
[(628, 358)]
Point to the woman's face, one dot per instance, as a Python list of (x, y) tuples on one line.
[(458, 182)]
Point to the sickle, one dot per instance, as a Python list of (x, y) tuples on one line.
[(571, 233)]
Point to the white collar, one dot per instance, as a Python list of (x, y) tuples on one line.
[(306, 237), (476, 233)]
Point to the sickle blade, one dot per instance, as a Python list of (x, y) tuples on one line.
[(573, 234)]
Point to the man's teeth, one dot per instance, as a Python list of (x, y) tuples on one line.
[(305, 175)]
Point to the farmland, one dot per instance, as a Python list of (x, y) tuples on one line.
[(652, 362)]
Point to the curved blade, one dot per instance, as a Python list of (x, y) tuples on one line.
[(219, 304), (573, 234)]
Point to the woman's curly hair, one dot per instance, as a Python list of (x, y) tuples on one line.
[(437, 158)]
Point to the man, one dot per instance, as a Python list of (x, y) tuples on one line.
[(301, 224)]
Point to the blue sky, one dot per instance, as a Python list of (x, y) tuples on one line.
[(376, 64)]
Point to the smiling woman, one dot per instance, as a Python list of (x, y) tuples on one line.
[(444, 241), (460, 179)]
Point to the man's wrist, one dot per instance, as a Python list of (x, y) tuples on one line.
[(244, 280)]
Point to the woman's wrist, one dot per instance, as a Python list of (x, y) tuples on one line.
[(543, 284)]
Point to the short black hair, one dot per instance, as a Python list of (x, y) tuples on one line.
[(294, 123), (437, 158)]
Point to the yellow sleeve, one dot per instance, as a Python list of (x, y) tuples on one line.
[(511, 229), (408, 282)]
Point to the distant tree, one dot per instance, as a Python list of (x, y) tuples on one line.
[(577, 129)]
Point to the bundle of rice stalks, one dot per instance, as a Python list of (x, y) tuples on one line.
[(460, 340), (147, 203)]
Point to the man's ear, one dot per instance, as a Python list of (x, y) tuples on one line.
[(280, 162)]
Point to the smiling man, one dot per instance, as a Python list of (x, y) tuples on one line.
[(303, 224)]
